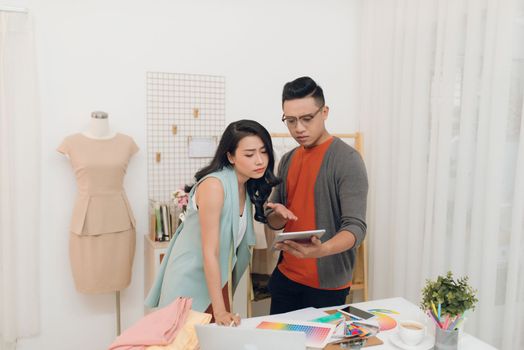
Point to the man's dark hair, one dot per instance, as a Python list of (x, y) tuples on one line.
[(303, 87), (258, 189)]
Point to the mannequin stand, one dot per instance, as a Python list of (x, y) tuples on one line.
[(117, 294)]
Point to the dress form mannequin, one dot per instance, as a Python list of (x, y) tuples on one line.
[(98, 127), (103, 225)]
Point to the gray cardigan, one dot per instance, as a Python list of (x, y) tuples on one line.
[(340, 204)]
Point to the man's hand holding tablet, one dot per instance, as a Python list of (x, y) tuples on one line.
[(298, 236), (297, 243)]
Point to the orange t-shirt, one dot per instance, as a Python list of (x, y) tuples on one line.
[(300, 184)]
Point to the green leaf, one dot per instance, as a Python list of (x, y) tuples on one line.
[(455, 296)]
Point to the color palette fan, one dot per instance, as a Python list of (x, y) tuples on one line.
[(317, 334), (385, 322)]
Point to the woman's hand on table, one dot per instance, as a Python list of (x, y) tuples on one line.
[(225, 318)]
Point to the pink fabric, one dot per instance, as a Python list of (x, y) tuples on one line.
[(157, 328)]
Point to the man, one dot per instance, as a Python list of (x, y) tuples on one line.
[(324, 186)]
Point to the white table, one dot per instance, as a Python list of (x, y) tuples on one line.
[(406, 311)]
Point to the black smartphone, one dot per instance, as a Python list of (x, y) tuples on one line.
[(353, 312)]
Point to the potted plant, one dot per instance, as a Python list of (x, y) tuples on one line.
[(445, 300)]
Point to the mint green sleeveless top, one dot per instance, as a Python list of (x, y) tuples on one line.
[(182, 270)]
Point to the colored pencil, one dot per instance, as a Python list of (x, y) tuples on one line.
[(446, 323), (434, 308), (434, 317), (455, 322), (458, 323)]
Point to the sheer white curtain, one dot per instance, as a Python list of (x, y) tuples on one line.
[(442, 86), (19, 181)]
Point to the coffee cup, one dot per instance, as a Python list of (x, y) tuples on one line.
[(411, 332)]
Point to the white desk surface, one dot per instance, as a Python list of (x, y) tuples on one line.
[(406, 310)]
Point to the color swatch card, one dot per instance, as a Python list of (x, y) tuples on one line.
[(353, 330), (317, 334)]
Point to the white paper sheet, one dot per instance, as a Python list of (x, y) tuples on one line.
[(202, 147)]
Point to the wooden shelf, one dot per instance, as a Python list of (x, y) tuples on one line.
[(155, 244), (153, 254)]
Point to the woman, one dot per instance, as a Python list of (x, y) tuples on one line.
[(210, 250)]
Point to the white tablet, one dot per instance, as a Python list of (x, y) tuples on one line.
[(298, 236)]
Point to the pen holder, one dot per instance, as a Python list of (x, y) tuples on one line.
[(446, 339)]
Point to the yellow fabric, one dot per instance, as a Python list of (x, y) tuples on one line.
[(186, 339)]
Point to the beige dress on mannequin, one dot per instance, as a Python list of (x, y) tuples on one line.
[(102, 237)]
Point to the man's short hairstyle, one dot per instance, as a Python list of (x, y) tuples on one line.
[(303, 87)]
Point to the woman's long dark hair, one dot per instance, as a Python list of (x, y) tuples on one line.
[(258, 189)]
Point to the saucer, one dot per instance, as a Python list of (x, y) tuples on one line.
[(426, 343)]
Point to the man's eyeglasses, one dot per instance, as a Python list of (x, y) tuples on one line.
[(305, 119)]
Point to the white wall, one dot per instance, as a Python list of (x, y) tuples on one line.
[(93, 55)]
